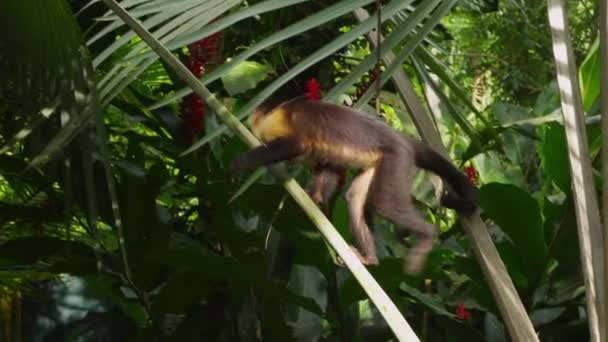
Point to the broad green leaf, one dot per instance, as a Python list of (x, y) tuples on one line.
[(494, 328), (493, 168), (554, 155), (518, 215), (546, 315), (519, 149), (564, 242), (511, 257), (589, 76), (548, 100), (246, 75)]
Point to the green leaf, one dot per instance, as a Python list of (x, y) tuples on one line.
[(107, 287), (246, 75), (548, 100), (519, 149), (493, 168), (589, 76), (546, 315), (554, 156), (564, 241), (434, 303), (242, 272), (494, 328), (518, 215)]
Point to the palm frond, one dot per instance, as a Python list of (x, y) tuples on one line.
[(37, 35), (312, 21), (325, 51)]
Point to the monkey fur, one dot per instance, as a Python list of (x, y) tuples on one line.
[(335, 137)]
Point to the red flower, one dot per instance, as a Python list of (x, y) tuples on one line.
[(471, 174), (462, 313), (200, 53), (313, 90)]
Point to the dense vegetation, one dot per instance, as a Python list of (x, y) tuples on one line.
[(108, 232)]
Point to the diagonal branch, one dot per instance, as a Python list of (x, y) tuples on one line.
[(586, 206), (385, 306), (604, 111), (514, 314)]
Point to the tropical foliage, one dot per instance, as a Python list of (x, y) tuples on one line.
[(109, 231)]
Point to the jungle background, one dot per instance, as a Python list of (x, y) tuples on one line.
[(110, 232)]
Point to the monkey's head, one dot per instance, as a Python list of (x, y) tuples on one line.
[(255, 120), (271, 120)]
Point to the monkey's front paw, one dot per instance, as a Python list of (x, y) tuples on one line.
[(417, 256), (415, 263), (365, 260), (316, 198)]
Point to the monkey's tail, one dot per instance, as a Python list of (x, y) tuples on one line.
[(463, 198)]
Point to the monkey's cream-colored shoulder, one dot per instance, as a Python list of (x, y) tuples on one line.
[(271, 126)]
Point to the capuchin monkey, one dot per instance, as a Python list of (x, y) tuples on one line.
[(334, 138)]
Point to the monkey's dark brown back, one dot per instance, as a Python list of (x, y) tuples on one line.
[(340, 125)]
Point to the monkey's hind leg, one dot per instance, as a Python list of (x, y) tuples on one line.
[(356, 196), (324, 184), (391, 199)]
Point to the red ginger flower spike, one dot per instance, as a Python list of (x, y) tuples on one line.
[(472, 174), (313, 90), (462, 313)]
